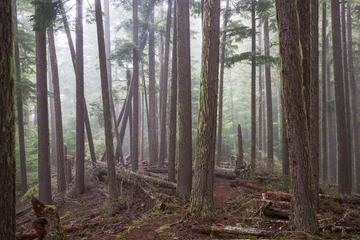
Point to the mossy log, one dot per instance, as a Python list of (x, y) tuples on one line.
[(232, 232)]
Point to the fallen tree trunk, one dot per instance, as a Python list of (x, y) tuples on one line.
[(233, 232), (273, 203), (23, 211)]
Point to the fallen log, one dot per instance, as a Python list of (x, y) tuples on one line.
[(276, 213), (242, 183), (32, 234), (282, 196), (230, 176), (156, 170), (273, 203), (23, 211), (230, 231)]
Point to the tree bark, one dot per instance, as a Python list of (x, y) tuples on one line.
[(202, 202), (173, 107), (19, 106), (80, 111), (61, 184), (53, 156), (344, 163), (304, 212), (7, 123), (240, 157), (184, 90), (353, 92), (261, 99), (253, 88), (270, 136), (106, 102), (221, 87)]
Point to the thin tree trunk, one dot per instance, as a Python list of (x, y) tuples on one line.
[(164, 90), (61, 184), (173, 106), (281, 144), (270, 137), (19, 106), (261, 99), (353, 92), (80, 112), (52, 117), (221, 87), (253, 89), (284, 133), (240, 157), (106, 102)]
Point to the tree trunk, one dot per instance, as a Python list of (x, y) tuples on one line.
[(80, 111), (53, 156), (344, 163), (353, 92), (164, 90), (7, 124), (106, 102), (270, 137), (253, 88), (135, 112), (202, 202), (304, 213), (261, 99), (240, 157), (184, 90), (281, 144), (221, 87), (19, 106), (173, 107), (285, 145), (324, 155), (61, 184)]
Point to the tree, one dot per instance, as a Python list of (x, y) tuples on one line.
[(135, 112), (202, 202), (354, 114), (61, 184), (344, 163), (80, 118), (7, 124), (184, 180), (19, 106), (152, 99), (253, 88), (173, 106), (304, 214), (44, 172), (270, 137), (240, 157), (221, 87), (106, 101), (165, 74)]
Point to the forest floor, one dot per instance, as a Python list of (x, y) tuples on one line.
[(256, 208)]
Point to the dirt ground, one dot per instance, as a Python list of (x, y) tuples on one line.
[(138, 216)]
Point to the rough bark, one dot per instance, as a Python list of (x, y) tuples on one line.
[(184, 90), (221, 86), (323, 99), (353, 92), (253, 88), (106, 101), (173, 107), (202, 202), (19, 106), (240, 157), (304, 213), (61, 184), (261, 97), (80, 118), (53, 156), (285, 145), (279, 103), (270, 135), (7, 123), (135, 112), (344, 163)]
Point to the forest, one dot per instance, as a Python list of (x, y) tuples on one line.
[(179, 119)]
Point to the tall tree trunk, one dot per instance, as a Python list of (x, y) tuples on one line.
[(19, 106), (106, 102), (164, 89), (221, 87), (135, 112), (270, 136), (279, 103), (61, 184), (173, 106), (7, 124), (152, 99), (253, 88), (323, 98), (184, 180), (314, 93), (240, 157), (344, 163), (284, 133), (80, 111), (304, 213), (73, 58), (353, 93), (261, 99), (44, 172), (52, 117), (202, 202)]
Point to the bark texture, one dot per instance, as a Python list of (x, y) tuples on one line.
[(253, 89)]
